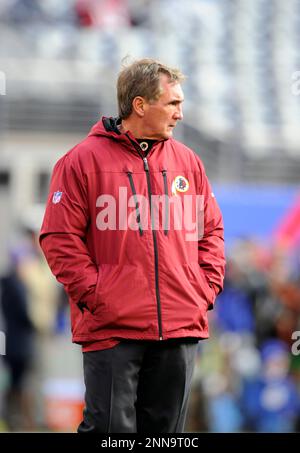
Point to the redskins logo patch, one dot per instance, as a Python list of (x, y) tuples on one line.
[(180, 184)]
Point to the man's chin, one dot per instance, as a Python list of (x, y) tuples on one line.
[(164, 135), (169, 133)]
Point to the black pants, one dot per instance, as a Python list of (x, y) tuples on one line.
[(138, 387)]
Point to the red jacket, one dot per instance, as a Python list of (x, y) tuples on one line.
[(138, 282)]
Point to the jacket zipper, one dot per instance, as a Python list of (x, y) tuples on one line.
[(146, 168), (166, 226), (138, 215), (157, 293)]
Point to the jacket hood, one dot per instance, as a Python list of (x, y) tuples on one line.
[(107, 127)]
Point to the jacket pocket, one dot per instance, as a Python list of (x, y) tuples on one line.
[(210, 293), (202, 283), (91, 302), (125, 296)]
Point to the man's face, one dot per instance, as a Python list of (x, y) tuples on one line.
[(161, 116)]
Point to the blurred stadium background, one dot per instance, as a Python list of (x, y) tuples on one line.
[(58, 67)]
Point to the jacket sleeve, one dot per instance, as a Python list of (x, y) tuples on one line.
[(62, 236), (211, 253)]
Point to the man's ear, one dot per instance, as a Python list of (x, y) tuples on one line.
[(138, 105)]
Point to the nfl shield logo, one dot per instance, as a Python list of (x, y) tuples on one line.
[(56, 197)]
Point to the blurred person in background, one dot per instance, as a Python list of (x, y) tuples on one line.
[(29, 304), (19, 355), (270, 400), (284, 287), (235, 313), (43, 302), (43, 292), (138, 293)]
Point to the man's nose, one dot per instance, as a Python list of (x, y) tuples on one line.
[(179, 113)]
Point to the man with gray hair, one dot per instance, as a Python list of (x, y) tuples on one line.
[(134, 233)]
